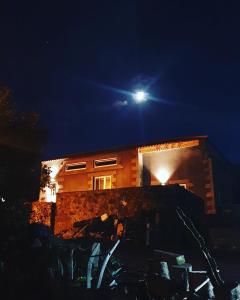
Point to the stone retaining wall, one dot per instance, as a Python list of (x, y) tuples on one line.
[(41, 213), (77, 206)]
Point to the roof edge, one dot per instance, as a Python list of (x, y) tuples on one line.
[(128, 147)]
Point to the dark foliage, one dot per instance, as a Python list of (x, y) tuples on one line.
[(45, 180), (21, 144)]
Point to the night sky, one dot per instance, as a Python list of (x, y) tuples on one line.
[(77, 62)]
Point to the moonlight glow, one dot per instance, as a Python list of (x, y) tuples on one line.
[(140, 96)]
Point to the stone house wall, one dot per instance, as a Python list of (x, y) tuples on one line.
[(124, 173)]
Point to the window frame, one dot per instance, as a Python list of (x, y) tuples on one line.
[(105, 160), (74, 164), (104, 177), (184, 185)]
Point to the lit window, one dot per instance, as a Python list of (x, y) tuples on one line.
[(183, 185), (75, 166), (105, 162), (102, 182)]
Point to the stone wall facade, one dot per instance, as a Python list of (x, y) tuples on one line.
[(41, 213), (126, 202)]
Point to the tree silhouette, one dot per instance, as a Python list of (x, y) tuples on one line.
[(21, 144)]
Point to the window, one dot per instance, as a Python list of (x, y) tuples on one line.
[(75, 166), (183, 185), (102, 182), (105, 162)]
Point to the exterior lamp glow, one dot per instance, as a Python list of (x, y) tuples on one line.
[(140, 96), (163, 176)]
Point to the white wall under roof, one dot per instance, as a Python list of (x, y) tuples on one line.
[(48, 194)]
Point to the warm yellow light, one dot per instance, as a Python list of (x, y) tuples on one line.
[(54, 171), (169, 146), (104, 217), (50, 195), (163, 175), (50, 191)]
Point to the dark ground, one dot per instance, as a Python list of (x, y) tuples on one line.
[(228, 262), (134, 257)]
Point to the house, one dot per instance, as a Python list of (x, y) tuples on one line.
[(193, 163)]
